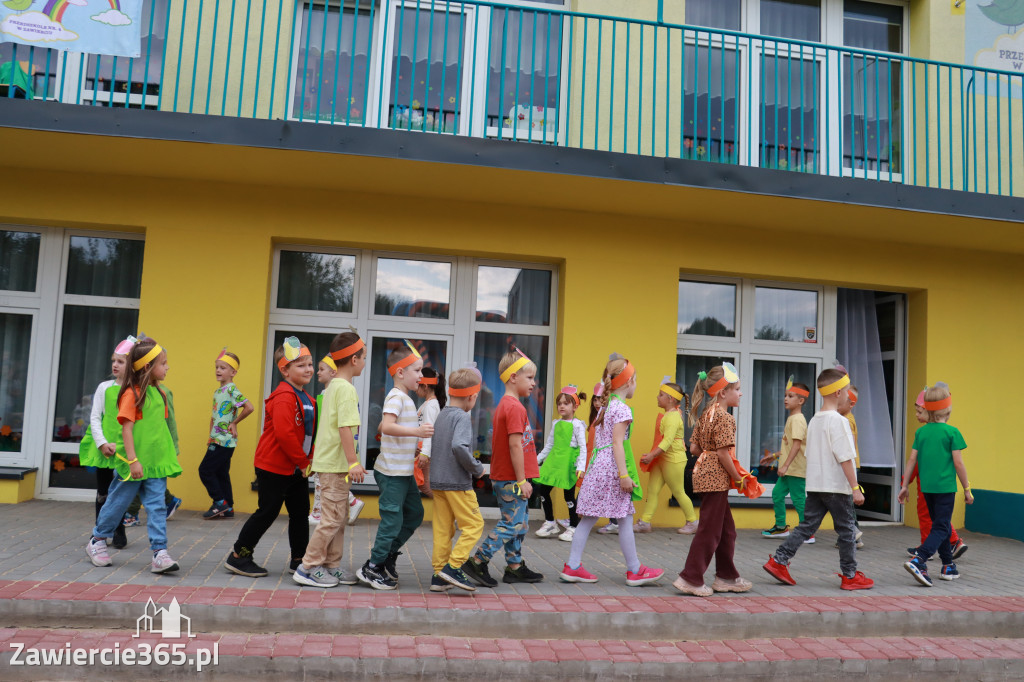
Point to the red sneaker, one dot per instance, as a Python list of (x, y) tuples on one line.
[(577, 575), (859, 581), (778, 571)]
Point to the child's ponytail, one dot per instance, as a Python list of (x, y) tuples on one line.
[(696, 403), (612, 370), (439, 389), (138, 380)]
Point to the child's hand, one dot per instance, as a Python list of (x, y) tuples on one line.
[(626, 484), (767, 459), (648, 458), (968, 497), (135, 469), (233, 428), (423, 462), (858, 497), (108, 449), (904, 494), (425, 431), (783, 469), (525, 490), (357, 474)]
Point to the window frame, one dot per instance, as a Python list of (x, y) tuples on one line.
[(453, 285), (313, 314), (736, 338)]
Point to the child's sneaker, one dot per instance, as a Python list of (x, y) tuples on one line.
[(779, 571), (568, 535), (314, 577), (478, 573), (912, 552), (859, 581), (564, 523), (735, 585), (96, 548), (959, 547), (345, 576), (523, 574), (949, 572), (229, 514), (684, 587), (689, 529), (810, 541), (439, 584), (577, 575), (314, 518), (216, 510), (244, 565), (163, 563), (375, 577), (610, 527), (548, 529), (130, 520), (776, 532), (355, 508), (173, 507), (391, 566), (644, 576), (642, 527), (457, 577), (919, 570)]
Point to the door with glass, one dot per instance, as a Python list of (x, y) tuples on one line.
[(17, 434)]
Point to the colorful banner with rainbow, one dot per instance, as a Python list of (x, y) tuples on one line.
[(111, 27)]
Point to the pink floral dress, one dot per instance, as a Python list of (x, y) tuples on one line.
[(601, 494)]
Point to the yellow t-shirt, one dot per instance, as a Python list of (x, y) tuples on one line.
[(796, 429), (856, 446), (340, 408), (672, 443)]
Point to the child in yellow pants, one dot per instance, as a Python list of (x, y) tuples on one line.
[(666, 462)]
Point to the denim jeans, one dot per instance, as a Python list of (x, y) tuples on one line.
[(121, 494), (819, 504), (940, 509), (511, 527)]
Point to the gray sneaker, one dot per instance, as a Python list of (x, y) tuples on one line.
[(317, 576), (345, 576)]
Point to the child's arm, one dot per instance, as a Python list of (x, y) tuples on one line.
[(669, 431), (579, 433), (619, 450), (247, 409), (851, 478), (515, 453), (356, 472), (549, 443), (134, 465), (462, 450), (96, 421), (793, 451), (288, 434), (961, 473), (430, 413), (908, 476), (725, 459), (389, 427)]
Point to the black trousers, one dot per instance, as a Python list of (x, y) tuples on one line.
[(215, 473), (276, 490), (544, 492)]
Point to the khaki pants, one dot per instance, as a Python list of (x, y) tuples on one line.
[(461, 506), (328, 541)]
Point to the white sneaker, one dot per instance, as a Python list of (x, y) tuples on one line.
[(564, 523), (611, 527), (548, 529), (163, 563), (810, 541), (568, 535), (355, 507), (318, 576), (97, 551)]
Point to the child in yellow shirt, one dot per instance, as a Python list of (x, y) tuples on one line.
[(792, 462), (667, 461)]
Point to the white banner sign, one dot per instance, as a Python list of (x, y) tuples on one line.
[(111, 27)]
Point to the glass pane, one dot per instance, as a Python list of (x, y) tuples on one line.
[(316, 281), (426, 70), (789, 112), (15, 337), (488, 350), (19, 260), (886, 315), (786, 315), (873, 26), (872, 103), (34, 71), (413, 288), (769, 415), (687, 368), (434, 353), (797, 19), (523, 74), (707, 308), (88, 337), (714, 13), (709, 104), (100, 266), (514, 295), (331, 67), (113, 79)]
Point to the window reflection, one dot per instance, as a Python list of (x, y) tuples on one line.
[(19, 260), (707, 308), (514, 295), (15, 337), (786, 315), (331, 69), (789, 111), (797, 19), (714, 13), (105, 267), (769, 415), (316, 281), (412, 288), (709, 103)]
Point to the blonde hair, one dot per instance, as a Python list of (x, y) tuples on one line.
[(935, 393), (463, 378), (700, 390), (829, 376), (510, 359), (611, 370)]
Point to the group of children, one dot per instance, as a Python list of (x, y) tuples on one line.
[(430, 451)]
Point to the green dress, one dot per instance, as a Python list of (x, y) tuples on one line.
[(154, 445), (627, 447), (559, 469), (89, 454)]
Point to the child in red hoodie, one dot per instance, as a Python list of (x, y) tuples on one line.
[(283, 456)]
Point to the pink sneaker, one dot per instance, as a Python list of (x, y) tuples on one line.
[(689, 529), (97, 551), (643, 576), (577, 575), (163, 563)]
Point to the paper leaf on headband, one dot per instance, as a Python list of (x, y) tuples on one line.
[(125, 346), (667, 379), (842, 369), (292, 348), (413, 349), (598, 389), (571, 389), (615, 356), (941, 384), (472, 366), (789, 384), (731, 375)]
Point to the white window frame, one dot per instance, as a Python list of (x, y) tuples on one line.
[(313, 315), (453, 285)]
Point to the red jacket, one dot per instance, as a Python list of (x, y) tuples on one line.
[(280, 448)]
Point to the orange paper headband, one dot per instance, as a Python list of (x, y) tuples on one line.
[(717, 387), (571, 391), (348, 350), (284, 362), (623, 377), (428, 381), (933, 405), (148, 357), (406, 361), (798, 391), (227, 359), (853, 398), (464, 392)]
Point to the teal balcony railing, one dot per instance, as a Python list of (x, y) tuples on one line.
[(544, 75)]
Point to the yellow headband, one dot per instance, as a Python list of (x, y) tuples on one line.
[(513, 368), (835, 385), (148, 357), (669, 391), (227, 359), (329, 361)]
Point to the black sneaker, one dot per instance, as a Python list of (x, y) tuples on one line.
[(229, 514), (912, 552), (216, 510), (457, 577), (959, 547), (439, 584), (293, 565), (919, 570), (478, 573), (375, 577), (244, 565), (390, 569), (120, 540), (521, 575)]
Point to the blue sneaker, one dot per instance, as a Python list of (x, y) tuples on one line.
[(173, 507), (919, 570), (949, 572)]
